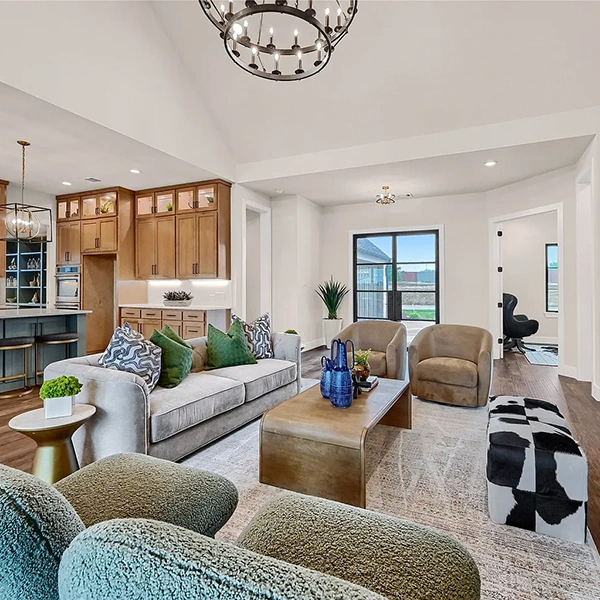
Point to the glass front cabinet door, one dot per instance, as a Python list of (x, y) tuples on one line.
[(104, 205), (67, 209)]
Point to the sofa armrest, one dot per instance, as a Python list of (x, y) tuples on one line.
[(396, 355), (484, 369), (286, 346), (135, 486), (121, 421), (394, 558)]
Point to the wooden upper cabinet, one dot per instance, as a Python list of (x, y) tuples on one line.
[(149, 204), (187, 247), (155, 248), (99, 205), (99, 235), (208, 252), (186, 199), (68, 243), (89, 236), (206, 198), (197, 198), (68, 209)]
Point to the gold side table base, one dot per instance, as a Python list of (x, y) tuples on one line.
[(55, 456), (17, 393)]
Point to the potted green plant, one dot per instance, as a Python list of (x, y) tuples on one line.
[(59, 396), (177, 298), (332, 293), (361, 363)]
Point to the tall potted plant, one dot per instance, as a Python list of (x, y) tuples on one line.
[(332, 293)]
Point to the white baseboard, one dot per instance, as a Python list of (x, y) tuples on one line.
[(313, 344), (596, 392), (540, 339), (567, 371)]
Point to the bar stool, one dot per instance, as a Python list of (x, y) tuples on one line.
[(53, 339), (18, 343)]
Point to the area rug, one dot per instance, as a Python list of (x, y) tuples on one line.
[(433, 474), (541, 354)]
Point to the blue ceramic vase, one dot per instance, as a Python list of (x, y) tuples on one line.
[(327, 370), (340, 393)]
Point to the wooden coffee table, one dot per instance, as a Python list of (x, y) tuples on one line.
[(309, 446)]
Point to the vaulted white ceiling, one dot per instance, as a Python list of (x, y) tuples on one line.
[(405, 69)]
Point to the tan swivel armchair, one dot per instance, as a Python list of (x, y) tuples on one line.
[(452, 364), (387, 341)]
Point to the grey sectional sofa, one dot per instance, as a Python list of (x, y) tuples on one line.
[(172, 423)]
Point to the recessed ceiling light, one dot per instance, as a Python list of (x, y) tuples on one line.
[(136, 171), (279, 191), (491, 163), (67, 183)]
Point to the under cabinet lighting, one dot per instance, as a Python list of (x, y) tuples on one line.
[(210, 282), (163, 282)]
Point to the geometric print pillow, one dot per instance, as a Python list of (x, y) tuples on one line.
[(258, 334), (129, 351)]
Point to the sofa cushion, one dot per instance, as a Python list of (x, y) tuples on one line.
[(176, 360), (228, 349), (199, 397), (258, 334), (451, 371), (378, 363), (265, 376)]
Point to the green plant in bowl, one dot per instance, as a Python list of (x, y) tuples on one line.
[(105, 207), (169, 206), (361, 357)]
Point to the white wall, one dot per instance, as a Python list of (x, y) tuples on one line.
[(112, 63), (464, 249), (524, 263), (297, 226), (253, 273), (13, 194)]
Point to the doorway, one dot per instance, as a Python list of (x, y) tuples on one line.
[(256, 260), (526, 262)]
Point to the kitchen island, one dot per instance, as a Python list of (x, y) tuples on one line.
[(30, 322)]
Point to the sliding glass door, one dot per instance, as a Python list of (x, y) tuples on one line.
[(396, 276)]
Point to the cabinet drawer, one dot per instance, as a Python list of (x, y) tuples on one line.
[(174, 325), (172, 315), (194, 315), (193, 330), (132, 313), (150, 313)]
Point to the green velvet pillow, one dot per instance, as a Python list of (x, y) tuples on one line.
[(175, 362), (228, 349), (172, 335)]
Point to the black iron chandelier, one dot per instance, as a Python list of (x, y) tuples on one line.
[(281, 40)]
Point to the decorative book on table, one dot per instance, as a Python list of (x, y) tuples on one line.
[(369, 383)]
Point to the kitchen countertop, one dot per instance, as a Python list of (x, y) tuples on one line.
[(29, 313), (163, 307)]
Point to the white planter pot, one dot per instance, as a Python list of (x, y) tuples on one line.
[(58, 407), (331, 327)]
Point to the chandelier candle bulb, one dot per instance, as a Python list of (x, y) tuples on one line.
[(276, 71), (234, 45), (254, 54), (319, 54), (245, 37), (295, 46), (270, 44), (299, 70), (327, 11), (229, 10), (339, 19)]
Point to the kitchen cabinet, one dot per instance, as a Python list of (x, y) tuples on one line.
[(198, 198), (188, 323), (197, 245), (155, 248), (99, 235), (99, 205), (68, 209), (154, 203), (147, 327), (68, 243)]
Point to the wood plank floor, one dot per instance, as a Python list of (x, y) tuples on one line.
[(513, 376)]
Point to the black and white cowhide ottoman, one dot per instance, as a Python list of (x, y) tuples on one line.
[(536, 472)]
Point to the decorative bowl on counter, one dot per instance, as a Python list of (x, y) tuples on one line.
[(177, 302), (177, 298)]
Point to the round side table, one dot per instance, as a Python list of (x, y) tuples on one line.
[(55, 456)]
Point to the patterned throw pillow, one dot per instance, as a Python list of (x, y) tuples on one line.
[(258, 334), (129, 351), (228, 349)]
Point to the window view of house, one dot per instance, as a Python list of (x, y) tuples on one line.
[(396, 276), (552, 278)]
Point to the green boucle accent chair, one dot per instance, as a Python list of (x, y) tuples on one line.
[(38, 521), (295, 548)]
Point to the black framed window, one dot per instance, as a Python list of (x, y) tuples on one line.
[(396, 276), (552, 278)]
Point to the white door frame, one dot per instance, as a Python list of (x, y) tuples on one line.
[(441, 258), (265, 256), (586, 349), (496, 282)]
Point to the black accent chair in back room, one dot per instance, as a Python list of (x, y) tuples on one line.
[(516, 327)]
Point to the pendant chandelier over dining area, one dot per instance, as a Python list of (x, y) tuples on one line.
[(281, 40)]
